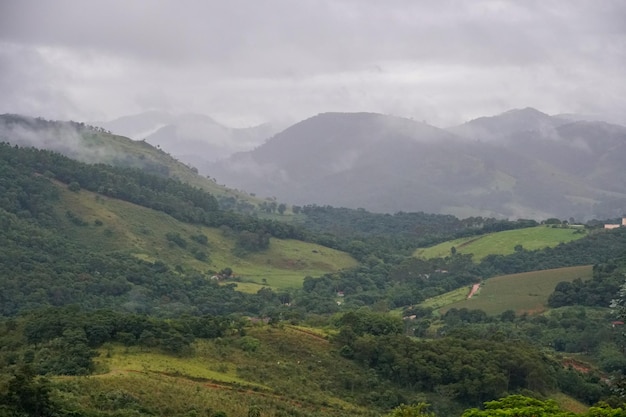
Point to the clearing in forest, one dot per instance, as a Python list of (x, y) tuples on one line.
[(503, 243), (526, 292)]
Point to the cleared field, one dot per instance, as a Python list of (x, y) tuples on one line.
[(288, 373), (448, 298), (503, 243), (524, 293), (115, 225), (203, 365)]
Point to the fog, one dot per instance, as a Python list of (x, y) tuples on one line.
[(246, 62)]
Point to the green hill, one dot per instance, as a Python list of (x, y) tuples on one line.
[(503, 243), (93, 145), (116, 225), (523, 293)]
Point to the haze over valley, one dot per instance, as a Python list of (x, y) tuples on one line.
[(313, 208)]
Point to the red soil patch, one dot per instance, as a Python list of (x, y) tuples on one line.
[(475, 288)]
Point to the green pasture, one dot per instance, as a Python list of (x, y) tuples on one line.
[(115, 225), (446, 299), (503, 243), (202, 365), (287, 370), (524, 293)]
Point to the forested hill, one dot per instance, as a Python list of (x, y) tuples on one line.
[(93, 145), (113, 301), (28, 198)]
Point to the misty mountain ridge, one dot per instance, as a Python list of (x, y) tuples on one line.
[(522, 163), (507, 123), (196, 139), (93, 145)]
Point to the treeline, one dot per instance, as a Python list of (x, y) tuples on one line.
[(63, 341), (407, 283), (21, 166), (600, 246), (39, 268), (571, 330), (409, 280), (474, 358), (467, 370), (362, 233), (600, 291)]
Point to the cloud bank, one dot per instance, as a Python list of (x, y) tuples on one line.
[(248, 62)]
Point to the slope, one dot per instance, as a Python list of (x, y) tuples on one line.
[(523, 293), (97, 235), (120, 226), (195, 139), (93, 145), (524, 164), (504, 243)]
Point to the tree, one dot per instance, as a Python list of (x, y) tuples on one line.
[(281, 208), (74, 186), (417, 410), (521, 406), (518, 406), (27, 396)]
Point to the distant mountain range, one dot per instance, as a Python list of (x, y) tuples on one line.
[(193, 138), (519, 164), (522, 163)]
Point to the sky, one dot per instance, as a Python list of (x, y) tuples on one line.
[(246, 62)]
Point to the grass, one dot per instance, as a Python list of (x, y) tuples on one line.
[(446, 299), (203, 365), (524, 293), (503, 243), (568, 403), (136, 153), (294, 371), (142, 232)]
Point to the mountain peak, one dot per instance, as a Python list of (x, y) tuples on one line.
[(525, 111), (506, 124)]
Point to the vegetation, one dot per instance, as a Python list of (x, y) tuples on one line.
[(505, 242), (527, 292), (174, 306)]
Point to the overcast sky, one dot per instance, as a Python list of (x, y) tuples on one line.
[(252, 61)]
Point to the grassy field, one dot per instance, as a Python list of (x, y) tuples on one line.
[(503, 243), (447, 299), (115, 225), (292, 371), (526, 292)]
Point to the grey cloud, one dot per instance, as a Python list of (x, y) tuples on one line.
[(439, 61)]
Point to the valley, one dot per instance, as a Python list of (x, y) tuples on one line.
[(136, 287)]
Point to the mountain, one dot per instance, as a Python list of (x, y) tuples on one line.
[(522, 163), (192, 138), (507, 123)]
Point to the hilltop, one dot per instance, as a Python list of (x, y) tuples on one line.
[(520, 164), (95, 145)]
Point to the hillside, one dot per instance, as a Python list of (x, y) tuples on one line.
[(194, 139), (97, 235), (143, 365), (522, 163), (115, 225), (95, 145), (137, 294), (523, 293), (504, 243)]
